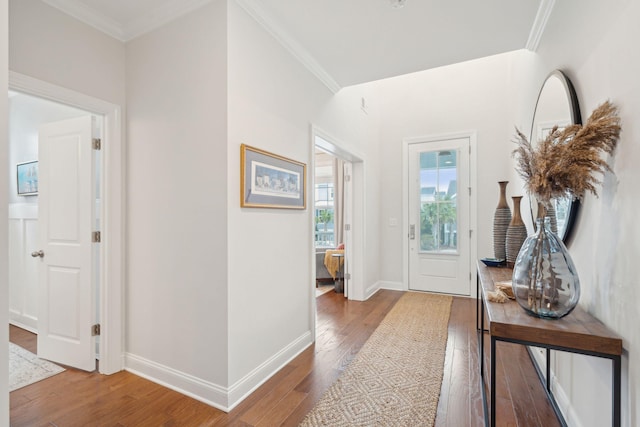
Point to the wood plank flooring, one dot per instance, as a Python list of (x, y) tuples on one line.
[(76, 398)]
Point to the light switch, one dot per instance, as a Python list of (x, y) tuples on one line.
[(393, 222)]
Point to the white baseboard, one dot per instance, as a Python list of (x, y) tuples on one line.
[(254, 379), (212, 394), (23, 326), (567, 409), (392, 286), (204, 391), (539, 359), (563, 401), (371, 290)]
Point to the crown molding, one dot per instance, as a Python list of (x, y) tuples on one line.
[(258, 13), (160, 16), (89, 16), (539, 24), (131, 29), (176, 8)]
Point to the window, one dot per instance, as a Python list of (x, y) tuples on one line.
[(324, 230), (438, 207)]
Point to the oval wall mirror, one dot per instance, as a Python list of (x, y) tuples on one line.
[(557, 105)]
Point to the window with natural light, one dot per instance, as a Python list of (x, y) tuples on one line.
[(438, 212), (324, 215)]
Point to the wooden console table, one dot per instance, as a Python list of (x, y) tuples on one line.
[(578, 332)]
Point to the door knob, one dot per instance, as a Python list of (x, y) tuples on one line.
[(37, 254)]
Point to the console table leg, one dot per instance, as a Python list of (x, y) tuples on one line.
[(549, 370), (493, 382), (478, 303), (482, 341), (617, 390)]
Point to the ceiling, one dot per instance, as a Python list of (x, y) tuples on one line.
[(347, 42)]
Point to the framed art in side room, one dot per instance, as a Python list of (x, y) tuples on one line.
[(27, 178), (268, 180)]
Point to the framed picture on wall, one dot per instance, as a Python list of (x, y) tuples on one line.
[(268, 180), (27, 173)]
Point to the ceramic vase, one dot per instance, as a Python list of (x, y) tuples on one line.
[(550, 213), (553, 219), (501, 220), (545, 281), (516, 233)]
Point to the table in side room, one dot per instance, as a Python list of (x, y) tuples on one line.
[(339, 281)]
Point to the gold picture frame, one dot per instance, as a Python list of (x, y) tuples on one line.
[(268, 180)]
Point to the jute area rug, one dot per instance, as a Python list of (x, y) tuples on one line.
[(26, 368), (396, 377)]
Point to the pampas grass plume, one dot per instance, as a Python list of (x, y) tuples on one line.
[(567, 161)]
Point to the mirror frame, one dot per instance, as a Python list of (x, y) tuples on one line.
[(576, 118)]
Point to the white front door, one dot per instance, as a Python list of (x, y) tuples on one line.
[(66, 308), (438, 209)]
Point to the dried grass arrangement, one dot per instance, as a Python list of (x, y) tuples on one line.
[(565, 162)]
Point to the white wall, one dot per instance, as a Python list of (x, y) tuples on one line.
[(86, 68), (51, 46), (184, 256), (473, 96), (218, 296), (594, 43), (273, 101), (23, 271), (176, 327), (4, 199)]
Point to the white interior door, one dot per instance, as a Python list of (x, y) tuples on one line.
[(439, 241), (66, 217)]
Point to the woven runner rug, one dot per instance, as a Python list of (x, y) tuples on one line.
[(396, 377), (26, 368)]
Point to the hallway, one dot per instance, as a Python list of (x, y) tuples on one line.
[(75, 398)]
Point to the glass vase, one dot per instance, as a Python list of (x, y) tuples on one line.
[(545, 281)]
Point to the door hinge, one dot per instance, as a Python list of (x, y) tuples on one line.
[(347, 178), (347, 227), (469, 190), (96, 143), (347, 276), (95, 330), (95, 237), (470, 231)]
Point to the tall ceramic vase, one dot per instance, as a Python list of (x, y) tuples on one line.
[(553, 219), (548, 212), (545, 281), (516, 233), (501, 220)]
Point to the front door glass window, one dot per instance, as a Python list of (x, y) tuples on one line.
[(438, 204)]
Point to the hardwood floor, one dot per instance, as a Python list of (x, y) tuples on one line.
[(76, 398)]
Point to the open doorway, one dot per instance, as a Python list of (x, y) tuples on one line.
[(53, 196), (353, 237), (347, 225), (110, 210), (329, 223)]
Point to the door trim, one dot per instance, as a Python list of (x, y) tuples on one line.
[(473, 205), (338, 148), (112, 255)]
